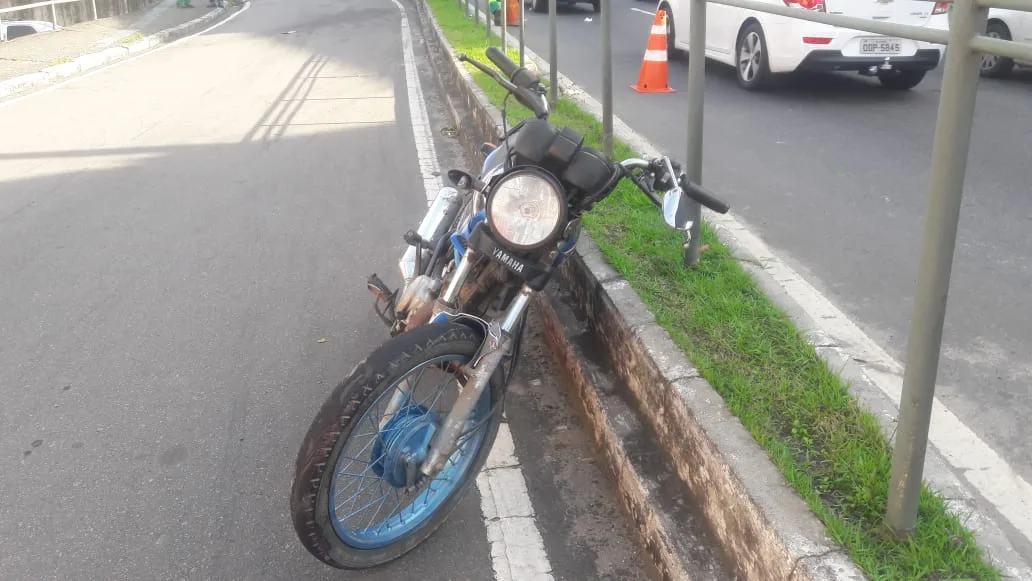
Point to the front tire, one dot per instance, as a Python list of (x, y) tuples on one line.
[(350, 413), (673, 53), (752, 69), (901, 80)]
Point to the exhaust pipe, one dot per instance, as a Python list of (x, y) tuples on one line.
[(435, 223)]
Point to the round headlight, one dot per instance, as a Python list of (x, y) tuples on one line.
[(526, 209)]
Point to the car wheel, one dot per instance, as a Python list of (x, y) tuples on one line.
[(751, 65), (672, 52), (900, 80), (540, 6), (994, 66)]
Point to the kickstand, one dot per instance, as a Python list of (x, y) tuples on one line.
[(385, 297)]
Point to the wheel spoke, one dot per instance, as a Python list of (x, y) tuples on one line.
[(372, 519), (366, 506), (385, 513)]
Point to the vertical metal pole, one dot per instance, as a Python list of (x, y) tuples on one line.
[(53, 13), (607, 79), (487, 19), (946, 187), (466, 13), (553, 56), (505, 26), (95, 15), (696, 86), (523, 20)]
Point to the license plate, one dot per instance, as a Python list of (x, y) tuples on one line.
[(881, 46)]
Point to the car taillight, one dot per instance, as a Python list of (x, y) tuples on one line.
[(817, 5), (941, 8)]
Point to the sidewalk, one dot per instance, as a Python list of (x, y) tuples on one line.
[(34, 53)]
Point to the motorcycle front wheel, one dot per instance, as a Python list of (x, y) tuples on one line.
[(354, 502)]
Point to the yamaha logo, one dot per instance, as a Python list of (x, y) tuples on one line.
[(504, 257)]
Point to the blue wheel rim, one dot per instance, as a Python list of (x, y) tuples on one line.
[(355, 511)]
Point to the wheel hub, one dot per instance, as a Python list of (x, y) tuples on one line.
[(402, 445)]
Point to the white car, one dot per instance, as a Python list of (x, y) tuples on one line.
[(12, 29), (760, 45), (1009, 25)]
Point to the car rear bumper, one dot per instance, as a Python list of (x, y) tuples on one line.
[(834, 60)]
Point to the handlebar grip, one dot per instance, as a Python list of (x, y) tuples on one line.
[(501, 61), (697, 193)]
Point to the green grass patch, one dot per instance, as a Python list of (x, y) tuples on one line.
[(59, 61), (132, 38), (830, 450)]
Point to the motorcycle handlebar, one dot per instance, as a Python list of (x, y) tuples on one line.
[(526, 96), (692, 190), (704, 197), (501, 61)]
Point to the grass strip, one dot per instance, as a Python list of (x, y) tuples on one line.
[(830, 450)]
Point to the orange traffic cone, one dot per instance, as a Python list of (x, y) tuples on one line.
[(653, 77), (512, 12)]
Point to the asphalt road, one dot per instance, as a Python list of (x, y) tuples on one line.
[(177, 236), (832, 171)]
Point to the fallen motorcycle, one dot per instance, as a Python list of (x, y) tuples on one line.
[(386, 459)]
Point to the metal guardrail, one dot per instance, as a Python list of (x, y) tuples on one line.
[(965, 40), (53, 11)]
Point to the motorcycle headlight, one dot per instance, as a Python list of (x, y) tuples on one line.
[(526, 209)]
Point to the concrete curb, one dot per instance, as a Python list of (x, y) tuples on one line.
[(766, 532), (87, 62)]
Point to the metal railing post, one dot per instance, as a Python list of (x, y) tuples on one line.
[(505, 25), (53, 13), (696, 86), (607, 78), (95, 15), (946, 188), (553, 56)]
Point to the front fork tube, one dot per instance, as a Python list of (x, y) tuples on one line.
[(497, 343), (402, 394)]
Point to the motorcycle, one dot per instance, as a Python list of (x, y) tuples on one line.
[(383, 463)]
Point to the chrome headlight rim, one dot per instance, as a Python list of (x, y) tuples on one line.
[(557, 189)]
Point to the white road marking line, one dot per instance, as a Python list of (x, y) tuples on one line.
[(643, 11), (517, 548), (96, 71), (429, 169)]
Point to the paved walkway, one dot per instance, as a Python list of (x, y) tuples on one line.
[(30, 54)]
